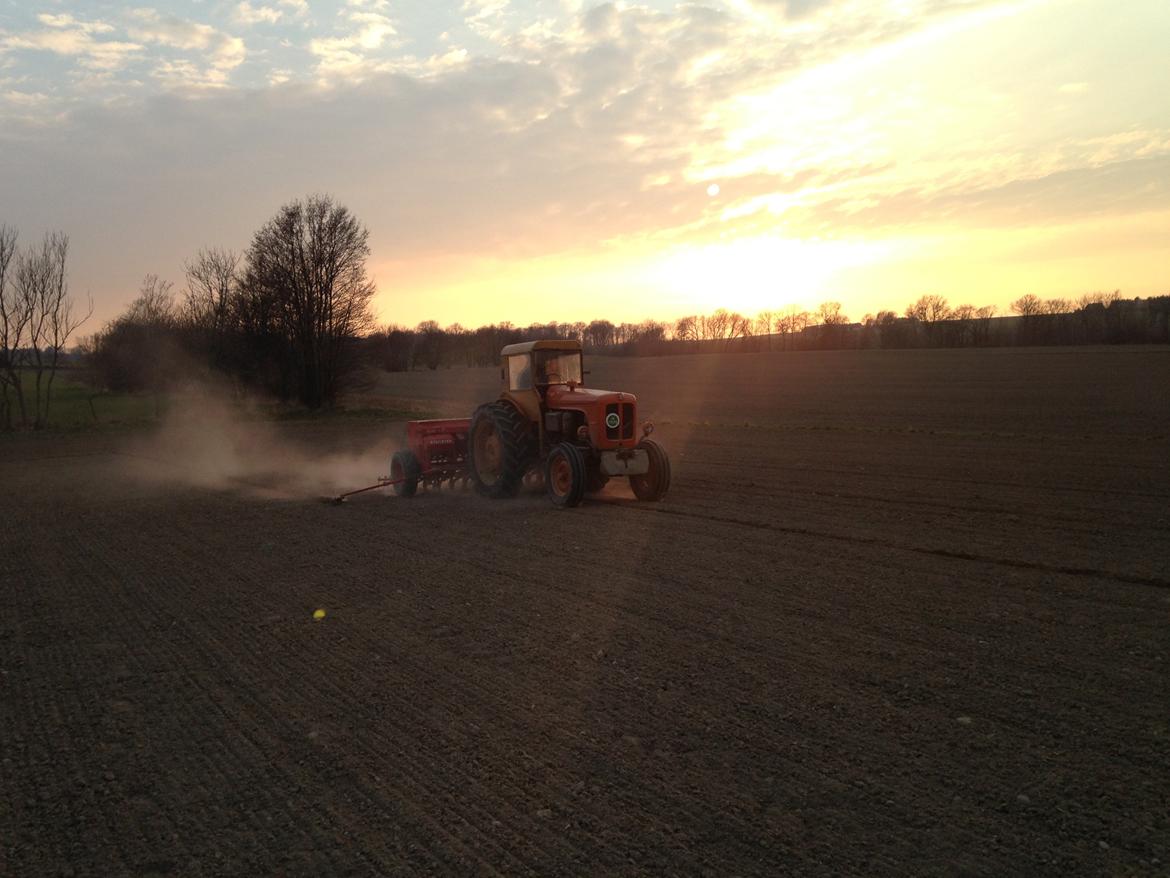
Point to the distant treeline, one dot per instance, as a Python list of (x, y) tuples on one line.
[(1094, 318)]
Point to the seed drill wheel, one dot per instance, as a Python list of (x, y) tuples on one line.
[(499, 450), (654, 484), (404, 465), (565, 475)]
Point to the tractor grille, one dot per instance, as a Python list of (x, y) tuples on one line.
[(625, 425)]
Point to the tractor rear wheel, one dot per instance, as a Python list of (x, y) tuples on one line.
[(654, 484), (404, 470), (565, 475), (500, 449)]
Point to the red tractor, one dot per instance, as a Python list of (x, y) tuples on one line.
[(544, 415), (544, 422)]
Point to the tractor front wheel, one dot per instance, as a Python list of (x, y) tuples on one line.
[(565, 475), (654, 484), (404, 470), (500, 449)]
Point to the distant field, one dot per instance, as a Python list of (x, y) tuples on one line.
[(903, 612), (1107, 390)]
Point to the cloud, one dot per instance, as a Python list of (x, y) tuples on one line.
[(67, 36), (793, 8), (220, 53), (150, 26), (354, 55), (247, 14), (486, 17), (1118, 186), (65, 20)]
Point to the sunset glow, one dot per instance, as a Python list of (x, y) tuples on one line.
[(541, 160)]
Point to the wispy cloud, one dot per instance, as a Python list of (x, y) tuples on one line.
[(65, 35), (355, 53), (247, 14), (218, 53)]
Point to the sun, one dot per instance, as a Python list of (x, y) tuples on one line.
[(755, 274)]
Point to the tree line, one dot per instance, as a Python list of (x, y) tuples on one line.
[(929, 321), (285, 316)]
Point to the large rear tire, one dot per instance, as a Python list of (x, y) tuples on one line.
[(565, 475), (653, 485), (404, 470), (499, 449)]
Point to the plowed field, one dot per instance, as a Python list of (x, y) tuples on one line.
[(901, 613)]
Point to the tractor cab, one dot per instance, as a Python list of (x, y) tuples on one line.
[(531, 367)]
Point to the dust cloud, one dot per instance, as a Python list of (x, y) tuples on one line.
[(210, 439)]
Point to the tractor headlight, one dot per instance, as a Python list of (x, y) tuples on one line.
[(583, 433)]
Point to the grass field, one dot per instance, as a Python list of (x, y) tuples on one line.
[(76, 406)]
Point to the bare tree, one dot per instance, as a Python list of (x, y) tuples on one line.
[(765, 322), (310, 262), (1028, 306), (832, 322), (212, 277), (738, 326), (717, 325), (791, 322), (1098, 298), (830, 314), (36, 321), (141, 350), (13, 321), (155, 305), (599, 334), (929, 309), (687, 328)]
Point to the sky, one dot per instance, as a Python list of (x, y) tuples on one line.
[(538, 160)]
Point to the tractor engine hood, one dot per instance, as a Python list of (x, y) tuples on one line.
[(611, 415), (560, 396)]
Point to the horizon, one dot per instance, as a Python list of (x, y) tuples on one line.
[(560, 161)]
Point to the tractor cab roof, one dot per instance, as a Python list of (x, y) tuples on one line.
[(545, 344)]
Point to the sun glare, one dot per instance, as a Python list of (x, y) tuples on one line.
[(761, 273)]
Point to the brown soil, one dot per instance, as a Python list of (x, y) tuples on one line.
[(902, 613)]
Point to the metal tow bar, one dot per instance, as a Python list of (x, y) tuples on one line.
[(381, 483)]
